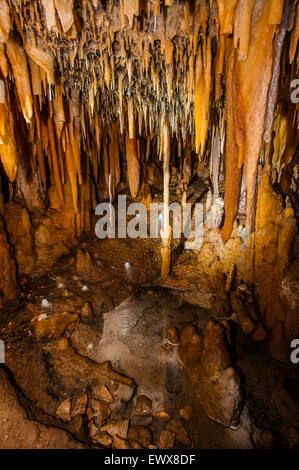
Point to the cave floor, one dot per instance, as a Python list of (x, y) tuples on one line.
[(121, 348)]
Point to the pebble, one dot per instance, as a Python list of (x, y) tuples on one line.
[(66, 293), (143, 405), (172, 335), (186, 412), (87, 312), (167, 439)]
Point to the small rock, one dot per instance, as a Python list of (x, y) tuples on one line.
[(59, 282), (140, 435), (172, 335), (120, 443), (186, 412), (64, 410), (46, 303), (55, 325), (175, 426), (66, 293), (143, 405), (119, 428), (101, 392), (99, 410), (162, 414), (167, 439), (62, 344), (80, 406), (87, 312), (103, 438)]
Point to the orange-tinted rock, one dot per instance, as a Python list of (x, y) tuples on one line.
[(275, 231), (55, 325), (143, 405), (8, 282), (20, 231), (211, 374)]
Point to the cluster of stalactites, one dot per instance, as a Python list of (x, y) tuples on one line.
[(91, 79)]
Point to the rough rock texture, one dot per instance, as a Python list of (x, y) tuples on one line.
[(17, 431), (275, 231), (8, 282), (209, 368), (19, 227)]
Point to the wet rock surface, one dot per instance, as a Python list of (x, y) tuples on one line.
[(132, 367)]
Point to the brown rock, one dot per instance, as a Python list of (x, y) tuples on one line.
[(86, 267), (64, 410), (19, 227), (87, 312), (143, 405), (214, 381), (172, 335), (103, 438), (186, 412), (120, 443), (66, 293), (162, 414), (19, 432), (238, 305), (190, 345), (175, 426), (119, 428), (55, 325), (80, 405), (167, 439), (8, 281), (101, 392), (140, 435), (99, 410)]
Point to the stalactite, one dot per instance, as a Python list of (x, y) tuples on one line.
[(294, 38), (242, 27), (45, 59), (55, 161), (273, 90), (65, 12), (255, 77), (18, 62), (8, 151), (166, 228), (275, 13), (232, 171), (5, 21), (49, 11), (133, 166)]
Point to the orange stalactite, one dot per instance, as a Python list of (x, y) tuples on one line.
[(232, 171), (18, 61)]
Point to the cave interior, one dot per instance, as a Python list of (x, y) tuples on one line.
[(135, 341)]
